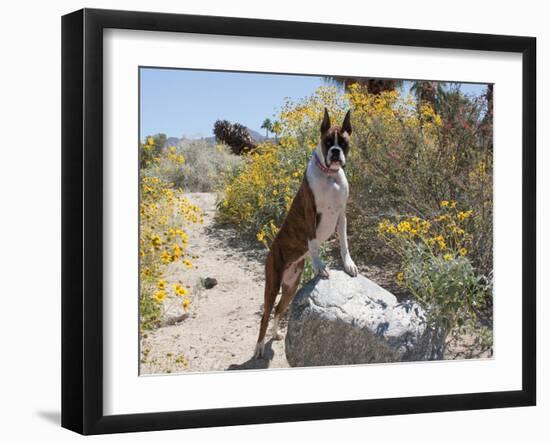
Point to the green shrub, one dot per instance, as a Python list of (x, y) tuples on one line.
[(195, 165), (448, 288), (436, 269)]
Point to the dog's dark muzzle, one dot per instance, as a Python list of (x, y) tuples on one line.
[(334, 156)]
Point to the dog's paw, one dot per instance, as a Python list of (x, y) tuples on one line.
[(350, 267), (259, 351)]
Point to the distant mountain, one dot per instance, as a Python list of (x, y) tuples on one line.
[(174, 141), (171, 141), (256, 135)]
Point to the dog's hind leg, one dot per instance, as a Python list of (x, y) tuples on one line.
[(272, 286), (291, 280)]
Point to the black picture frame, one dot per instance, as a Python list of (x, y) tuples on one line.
[(82, 218)]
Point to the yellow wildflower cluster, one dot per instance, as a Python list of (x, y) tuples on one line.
[(384, 118), (299, 121), (173, 156), (445, 234), (261, 194), (411, 227), (165, 214), (149, 153), (182, 293), (267, 234)]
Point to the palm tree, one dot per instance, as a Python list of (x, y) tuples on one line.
[(373, 85), (429, 92), (268, 126), (276, 129)]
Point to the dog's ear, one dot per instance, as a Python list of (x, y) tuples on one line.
[(346, 126), (325, 126)]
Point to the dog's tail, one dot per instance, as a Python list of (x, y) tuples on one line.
[(273, 277)]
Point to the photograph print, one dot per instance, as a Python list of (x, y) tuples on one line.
[(305, 221)]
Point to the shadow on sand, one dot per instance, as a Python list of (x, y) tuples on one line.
[(234, 241), (256, 363)]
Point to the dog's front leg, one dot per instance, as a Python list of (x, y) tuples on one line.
[(318, 266), (349, 265)]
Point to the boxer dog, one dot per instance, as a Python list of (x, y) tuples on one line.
[(317, 211)]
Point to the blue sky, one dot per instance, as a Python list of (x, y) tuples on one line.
[(180, 102)]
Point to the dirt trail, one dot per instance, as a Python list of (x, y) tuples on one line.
[(221, 330)]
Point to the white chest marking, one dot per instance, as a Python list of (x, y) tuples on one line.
[(331, 193)]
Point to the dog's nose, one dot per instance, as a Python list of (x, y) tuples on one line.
[(335, 154)]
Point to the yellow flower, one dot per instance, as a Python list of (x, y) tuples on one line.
[(462, 251), (159, 296), (448, 257), (404, 226), (161, 284), (166, 257), (441, 241), (444, 203), (180, 290), (176, 251), (156, 241), (464, 215), (400, 276), (186, 304), (452, 204)]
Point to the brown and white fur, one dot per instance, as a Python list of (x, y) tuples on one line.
[(317, 211)]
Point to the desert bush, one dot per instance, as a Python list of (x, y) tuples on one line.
[(195, 165), (448, 287), (436, 268), (165, 214), (150, 150), (259, 193), (410, 158)]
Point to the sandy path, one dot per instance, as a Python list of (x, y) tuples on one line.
[(221, 330)]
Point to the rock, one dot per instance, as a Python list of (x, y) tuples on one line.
[(344, 320), (209, 282)]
